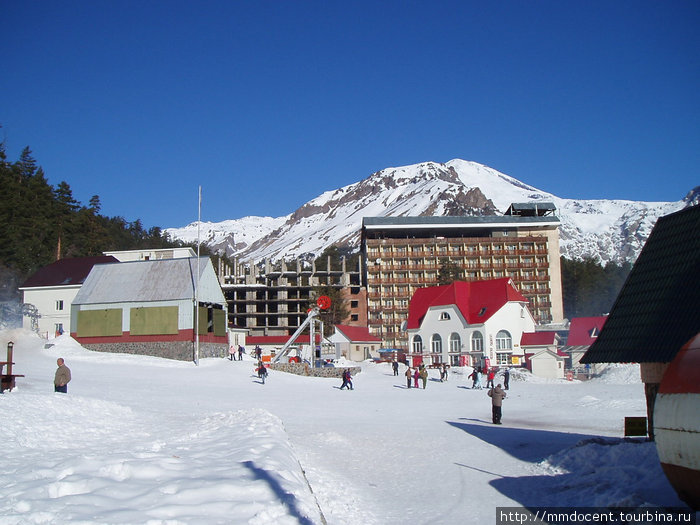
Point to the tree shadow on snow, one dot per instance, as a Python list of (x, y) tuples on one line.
[(288, 499)]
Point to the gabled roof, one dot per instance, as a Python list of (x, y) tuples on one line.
[(656, 312), (142, 281), (538, 339), (66, 272), (357, 334), (476, 300), (585, 330)]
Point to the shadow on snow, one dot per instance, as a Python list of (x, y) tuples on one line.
[(289, 500)]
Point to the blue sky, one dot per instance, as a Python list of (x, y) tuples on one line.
[(268, 104)]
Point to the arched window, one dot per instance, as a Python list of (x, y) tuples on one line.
[(444, 316), (477, 342), (417, 345), (503, 341), (455, 343), (436, 344)]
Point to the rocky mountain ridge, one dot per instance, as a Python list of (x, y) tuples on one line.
[(607, 230)]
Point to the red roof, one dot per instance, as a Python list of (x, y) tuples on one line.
[(357, 333), (66, 272), (538, 339), (584, 330), (275, 339), (476, 300)]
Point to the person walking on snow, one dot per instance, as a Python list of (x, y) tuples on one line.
[(497, 396), (424, 376), (408, 375), (347, 380), (416, 377), (477, 381), (395, 367), (262, 371), (506, 378), (491, 376)]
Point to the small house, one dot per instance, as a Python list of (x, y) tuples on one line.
[(355, 343), (542, 356), (49, 292), (170, 308)]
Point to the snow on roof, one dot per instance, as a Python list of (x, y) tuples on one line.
[(476, 300), (66, 272)]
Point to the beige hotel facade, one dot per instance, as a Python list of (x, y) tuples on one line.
[(403, 254)]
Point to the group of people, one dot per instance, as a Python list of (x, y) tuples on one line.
[(490, 373), (232, 351), (418, 373), (347, 380)]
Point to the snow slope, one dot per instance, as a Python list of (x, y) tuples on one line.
[(146, 440)]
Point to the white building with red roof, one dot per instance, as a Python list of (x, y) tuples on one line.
[(469, 323), (355, 343), (542, 355)]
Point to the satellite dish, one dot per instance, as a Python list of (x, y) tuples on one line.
[(403, 326)]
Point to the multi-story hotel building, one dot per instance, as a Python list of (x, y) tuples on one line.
[(406, 253)]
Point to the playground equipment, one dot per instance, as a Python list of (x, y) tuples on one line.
[(315, 327)]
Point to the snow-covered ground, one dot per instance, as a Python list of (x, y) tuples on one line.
[(145, 440)]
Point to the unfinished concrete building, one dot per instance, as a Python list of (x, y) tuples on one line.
[(273, 298)]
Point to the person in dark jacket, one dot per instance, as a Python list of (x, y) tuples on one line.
[(62, 377), (506, 378), (497, 396), (347, 380), (409, 376), (395, 367), (262, 371)]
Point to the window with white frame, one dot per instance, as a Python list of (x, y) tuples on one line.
[(503, 341), (59, 304), (503, 359), (444, 316), (436, 344), (455, 343), (477, 342), (417, 345)]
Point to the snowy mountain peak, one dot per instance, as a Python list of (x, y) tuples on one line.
[(607, 230)]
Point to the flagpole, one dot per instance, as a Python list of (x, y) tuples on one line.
[(196, 288)]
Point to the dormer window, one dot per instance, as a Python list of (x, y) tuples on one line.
[(482, 311), (594, 332), (444, 316)]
